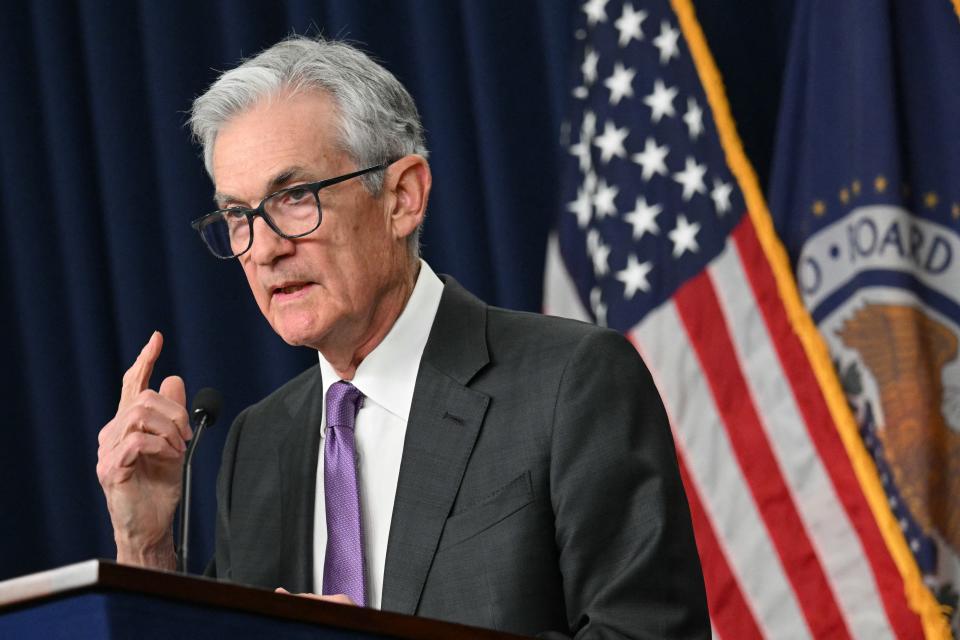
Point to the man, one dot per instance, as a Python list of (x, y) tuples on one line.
[(444, 458)]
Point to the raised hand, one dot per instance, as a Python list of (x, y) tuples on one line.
[(140, 459)]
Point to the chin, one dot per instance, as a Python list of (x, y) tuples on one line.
[(297, 334), (299, 339), (293, 341)]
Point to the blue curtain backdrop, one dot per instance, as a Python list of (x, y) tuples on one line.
[(98, 181)]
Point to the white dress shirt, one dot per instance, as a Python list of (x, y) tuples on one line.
[(386, 377)]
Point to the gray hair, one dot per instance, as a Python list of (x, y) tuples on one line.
[(378, 120)]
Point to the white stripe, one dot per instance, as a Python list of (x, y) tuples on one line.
[(560, 297), (714, 469), (828, 527)]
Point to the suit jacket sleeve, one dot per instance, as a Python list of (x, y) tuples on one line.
[(627, 553)]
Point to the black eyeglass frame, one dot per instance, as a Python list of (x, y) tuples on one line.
[(313, 187)]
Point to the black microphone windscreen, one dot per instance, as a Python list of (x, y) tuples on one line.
[(209, 401)]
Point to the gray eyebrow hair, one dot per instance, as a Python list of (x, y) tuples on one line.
[(273, 184)]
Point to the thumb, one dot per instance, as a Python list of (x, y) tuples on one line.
[(172, 388)]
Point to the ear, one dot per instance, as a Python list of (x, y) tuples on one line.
[(408, 182)]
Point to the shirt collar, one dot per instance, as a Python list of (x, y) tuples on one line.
[(388, 374)]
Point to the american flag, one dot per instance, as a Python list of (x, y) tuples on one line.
[(665, 236)]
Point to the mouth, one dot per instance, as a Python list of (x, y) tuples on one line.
[(289, 290)]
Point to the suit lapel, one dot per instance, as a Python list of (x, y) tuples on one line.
[(445, 418), (299, 450)]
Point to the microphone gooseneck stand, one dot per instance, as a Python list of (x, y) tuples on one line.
[(206, 408)]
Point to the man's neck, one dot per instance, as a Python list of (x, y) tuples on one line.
[(346, 360)]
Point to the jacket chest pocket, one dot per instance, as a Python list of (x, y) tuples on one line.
[(478, 516)]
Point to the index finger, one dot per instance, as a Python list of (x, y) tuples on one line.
[(137, 377)]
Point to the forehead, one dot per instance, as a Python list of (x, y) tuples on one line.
[(272, 137)]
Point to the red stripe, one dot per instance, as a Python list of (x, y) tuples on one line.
[(701, 314), (729, 612), (823, 431)]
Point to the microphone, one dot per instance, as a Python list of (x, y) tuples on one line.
[(203, 413)]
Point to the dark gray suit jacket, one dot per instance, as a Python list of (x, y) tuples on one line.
[(538, 490)]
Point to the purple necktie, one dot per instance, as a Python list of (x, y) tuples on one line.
[(343, 570)]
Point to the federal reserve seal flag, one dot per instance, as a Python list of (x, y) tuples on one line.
[(866, 196)]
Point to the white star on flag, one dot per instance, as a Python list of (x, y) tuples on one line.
[(582, 207), (691, 178), (599, 252), (628, 24), (582, 151), (661, 101), (604, 200), (693, 118), (634, 277), (588, 129), (610, 142), (596, 11), (590, 181), (620, 83), (598, 306), (684, 236), (666, 42), (643, 218), (652, 159), (721, 195), (589, 66)]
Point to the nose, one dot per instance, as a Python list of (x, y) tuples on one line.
[(267, 245)]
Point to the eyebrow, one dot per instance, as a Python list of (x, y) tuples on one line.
[(275, 183)]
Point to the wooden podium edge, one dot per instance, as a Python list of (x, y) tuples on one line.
[(94, 575)]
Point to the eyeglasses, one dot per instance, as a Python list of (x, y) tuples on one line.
[(292, 212)]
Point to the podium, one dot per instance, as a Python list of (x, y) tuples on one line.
[(101, 599)]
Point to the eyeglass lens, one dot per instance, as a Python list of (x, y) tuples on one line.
[(293, 212)]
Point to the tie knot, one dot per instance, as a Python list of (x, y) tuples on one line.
[(343, 402)]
